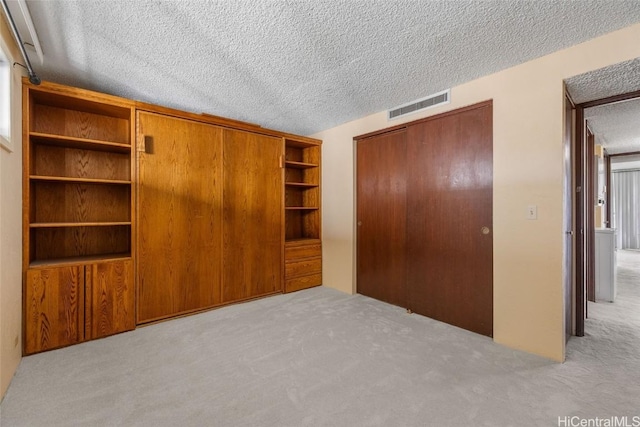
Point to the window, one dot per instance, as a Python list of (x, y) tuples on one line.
[(5, 99)]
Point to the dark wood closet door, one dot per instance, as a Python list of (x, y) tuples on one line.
[(449, 218), (253, 215), (179, 216), (381, 213)]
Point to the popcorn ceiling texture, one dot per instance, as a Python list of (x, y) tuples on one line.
[(608, 81), (302, 66), (616, 126)]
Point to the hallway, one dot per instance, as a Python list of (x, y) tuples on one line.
[(614, 329), (608, 357)]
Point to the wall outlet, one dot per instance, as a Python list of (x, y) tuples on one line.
[(532, 212)]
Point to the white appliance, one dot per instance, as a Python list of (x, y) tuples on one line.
[(605, 267)]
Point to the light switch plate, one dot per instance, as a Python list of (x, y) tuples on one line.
[(532, 212)]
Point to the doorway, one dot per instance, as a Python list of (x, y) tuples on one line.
[(596, 105)]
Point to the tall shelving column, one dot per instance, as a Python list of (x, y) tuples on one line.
[(78, 216), (303, 244)]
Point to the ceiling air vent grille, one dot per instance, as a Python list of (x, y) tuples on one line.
[(431, 101)]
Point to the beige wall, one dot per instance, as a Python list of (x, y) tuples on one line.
[(528, 170), (11, 230)]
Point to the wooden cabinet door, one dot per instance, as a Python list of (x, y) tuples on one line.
[(109, 298), (253, 215), (54, 308), (449, 218), (381, 213), (179, 216)]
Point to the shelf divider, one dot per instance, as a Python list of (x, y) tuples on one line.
[(81, 143), (301, 184), (78, 224), (299, 165), (78, 180), (59, 262)]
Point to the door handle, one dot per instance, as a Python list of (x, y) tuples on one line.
[(146, 144), (485, 230)]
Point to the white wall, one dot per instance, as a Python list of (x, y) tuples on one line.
[(11, 229), (528, 105)]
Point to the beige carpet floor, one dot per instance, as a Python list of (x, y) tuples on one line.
[(323, 358)]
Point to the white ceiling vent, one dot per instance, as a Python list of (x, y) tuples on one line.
[(431, 101)]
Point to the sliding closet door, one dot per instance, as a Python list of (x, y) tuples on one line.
[(381, 213), (253, 215), (179, 216), (449, 218)]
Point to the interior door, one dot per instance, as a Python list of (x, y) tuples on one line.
[(253, 215), (449, 218), (381, 215), (179, 216)]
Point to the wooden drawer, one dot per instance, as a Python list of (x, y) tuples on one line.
[(303, 282), (303, 267), (305, 251)]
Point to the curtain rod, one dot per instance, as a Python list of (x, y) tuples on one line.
[(33, 78)]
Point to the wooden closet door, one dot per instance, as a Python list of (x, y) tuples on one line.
[(109, 303), (253, 215), (54, 308), (381, 215), (449, 210), (179, 216)]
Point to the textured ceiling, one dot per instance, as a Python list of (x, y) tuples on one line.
[(303, 66), (605, 82), (616, 126)]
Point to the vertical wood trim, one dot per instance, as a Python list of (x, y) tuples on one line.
[(26, 192), (568, 217), (282, 219), (579, 212), (590, 227), (25, 210), (133, 168), (87, 310), (223, 178), (607, 180), (136, 261)]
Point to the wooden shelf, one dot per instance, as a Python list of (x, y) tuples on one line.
[(302, 208), (299, 165), (78, 180), (300, 184), (78, 216), (302, 241), (82, 143), (299, 144), (59, 262), (77, 224)]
